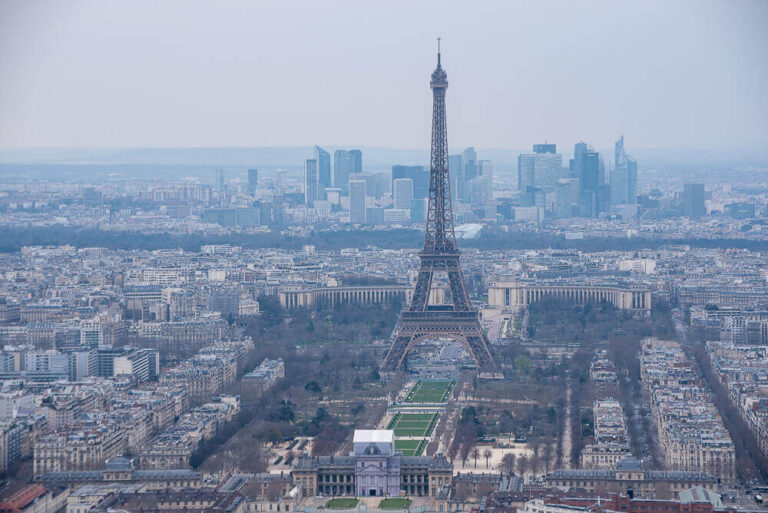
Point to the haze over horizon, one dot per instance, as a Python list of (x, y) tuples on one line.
[(86, 74)]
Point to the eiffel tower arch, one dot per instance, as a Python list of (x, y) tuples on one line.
[(457, 320)]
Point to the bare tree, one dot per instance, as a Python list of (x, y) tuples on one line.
[(547, 454), (535, 461), (522, 466), (508, 464), (466, 448), (487, 455), (475, 454)]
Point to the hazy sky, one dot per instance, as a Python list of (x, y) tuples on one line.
[(278, 73)]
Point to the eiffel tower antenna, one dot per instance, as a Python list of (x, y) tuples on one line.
[(421, 321)]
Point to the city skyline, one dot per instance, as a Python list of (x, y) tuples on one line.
[(576, 326), (544, 79)]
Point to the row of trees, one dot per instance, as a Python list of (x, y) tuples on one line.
[(15, 237)]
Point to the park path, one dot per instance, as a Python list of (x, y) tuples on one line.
[(567, 434)]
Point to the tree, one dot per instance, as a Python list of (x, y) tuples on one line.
[(508, 464), (285, 413), (466, 448), (506, 422), (475, 454), (547, 454), (523, 364), (487, 456), (313, 387), (321, 415), (535, 462), (522, 466)]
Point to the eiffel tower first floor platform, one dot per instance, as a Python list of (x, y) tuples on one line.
[(415, 327)]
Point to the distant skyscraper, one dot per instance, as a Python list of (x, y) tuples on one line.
[(619, 154), (456, 172), (403, 193), (693, 200), (469, 157), (343, 166), (310, 182), (588, 167), (357, 158), (579, 149), (623, 179), (563, 201), (545, 148), (470, 160), (357, 201), (221, 188), (419, 176), (220, 185), (540, 168), (253, 180), (631, 179), (618, 184), (376, 184), (482, 189), (418, 210), (323, 159)]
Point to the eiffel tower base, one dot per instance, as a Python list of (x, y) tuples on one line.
[(415, 327)]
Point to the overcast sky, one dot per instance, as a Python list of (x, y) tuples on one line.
[(278, 73)]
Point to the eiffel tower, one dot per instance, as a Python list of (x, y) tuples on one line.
[(421, 320)]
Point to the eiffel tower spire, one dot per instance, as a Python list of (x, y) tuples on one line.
[(440, 254)]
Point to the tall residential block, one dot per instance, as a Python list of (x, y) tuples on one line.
[(253, 180), (343, 167), (323, 159), (693, 200), (403, 193), (623, 179), (310, 182), (419, 176), (539, 169), (357, 202)]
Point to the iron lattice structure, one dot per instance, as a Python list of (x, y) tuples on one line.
[(458, 320)]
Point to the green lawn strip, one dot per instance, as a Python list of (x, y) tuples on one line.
[(432, 424), (409, 432), (413, 391), (411, 447), (394, 503), (415, 424), (431, 392), (416, 416), (342, 503)]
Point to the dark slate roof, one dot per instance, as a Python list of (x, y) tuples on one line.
[(98, 475), (630, 464)]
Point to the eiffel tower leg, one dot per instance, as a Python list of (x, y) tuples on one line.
[(456, 283), (420, 298), (477, 343), (397, 351)]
